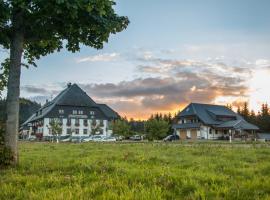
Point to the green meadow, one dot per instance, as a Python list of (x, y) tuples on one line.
[(138, 171)]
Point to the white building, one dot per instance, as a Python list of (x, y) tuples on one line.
[(206, 121), (75, 112)]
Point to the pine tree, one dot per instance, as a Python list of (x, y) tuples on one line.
[(245, 111)]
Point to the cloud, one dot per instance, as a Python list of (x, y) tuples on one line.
[(42, 92), (101, 57), (34, 89), (165, 94), (167, 84)]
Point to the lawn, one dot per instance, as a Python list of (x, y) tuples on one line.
[(138, 171)]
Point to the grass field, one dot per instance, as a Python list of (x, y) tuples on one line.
[(138, 171)]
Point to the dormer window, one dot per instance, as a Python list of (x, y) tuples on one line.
[(74, 112), (92, 112), (61, 111), (80, 112)]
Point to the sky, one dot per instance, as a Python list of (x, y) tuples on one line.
[(173, 52)]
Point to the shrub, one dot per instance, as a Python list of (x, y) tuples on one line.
[(5, 153), (156, 129)]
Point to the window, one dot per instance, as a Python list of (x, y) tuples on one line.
[(85, 131), (210, 131), (68, 122), (101, 123), (85, 123), (74, 112), (80, 112), (77, 122), (77, 131), (183, 121), (61, 111), (92, 112), (216, 131), (68, 131)]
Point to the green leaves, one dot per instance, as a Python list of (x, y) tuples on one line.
[(4, 75), (156, 129), (46, 24), (121, 127)]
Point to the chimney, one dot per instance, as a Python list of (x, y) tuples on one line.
[(47, 101), (68, 85)]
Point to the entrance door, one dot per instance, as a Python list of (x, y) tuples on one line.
[(183, 134), (193, 134)]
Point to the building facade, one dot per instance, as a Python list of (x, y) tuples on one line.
[(74, 112), (205, 121)]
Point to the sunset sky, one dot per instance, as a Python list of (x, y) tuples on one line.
[(173, 52)]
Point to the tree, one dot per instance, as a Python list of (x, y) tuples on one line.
[(56, 128), (245, 111), (95, 127), (156, 129), (121, 127), (35, 28)]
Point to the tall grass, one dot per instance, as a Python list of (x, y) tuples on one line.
[(138, 171)]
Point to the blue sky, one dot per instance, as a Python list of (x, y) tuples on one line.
[(162, 60)]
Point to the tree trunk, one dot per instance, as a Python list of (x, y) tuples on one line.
[(13, 87)]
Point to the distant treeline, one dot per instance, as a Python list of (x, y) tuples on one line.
[(27, 108), (261, 118)]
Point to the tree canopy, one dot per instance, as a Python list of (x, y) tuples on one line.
[(156, 129), (50, 25)]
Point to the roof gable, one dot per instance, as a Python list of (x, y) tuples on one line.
[(207, 113), (74, 96), (110, 113)]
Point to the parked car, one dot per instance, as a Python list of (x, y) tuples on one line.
[(65, 139), (88, 139), (97, 138), (109, 139), (171, 138), (32, 138), (136, 138), (118, 137), (77, 138)]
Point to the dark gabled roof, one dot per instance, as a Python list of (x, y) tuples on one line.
[(73, 95), (238, 124), (108, 112), (187, 125), (208, 114), (28, 120), (205, 112)]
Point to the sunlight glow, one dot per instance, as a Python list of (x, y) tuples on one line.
[(259, 89)]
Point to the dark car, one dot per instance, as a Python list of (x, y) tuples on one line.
[(171, 138)]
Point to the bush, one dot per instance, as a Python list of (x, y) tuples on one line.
[(156, 129), (5, 153)]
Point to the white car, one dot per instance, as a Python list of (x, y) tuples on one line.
[(68, 139), (97, 138), (32, 138), (88, 139), (109, 139)]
